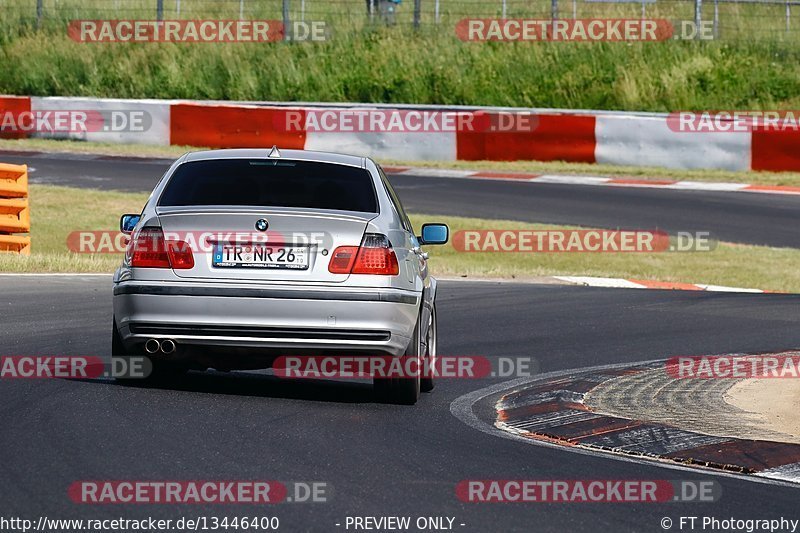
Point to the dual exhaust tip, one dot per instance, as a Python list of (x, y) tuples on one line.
[(166, 346)]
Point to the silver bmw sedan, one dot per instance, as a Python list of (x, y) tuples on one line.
[(241, 257)]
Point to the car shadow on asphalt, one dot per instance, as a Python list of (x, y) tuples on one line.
[(260, 385)]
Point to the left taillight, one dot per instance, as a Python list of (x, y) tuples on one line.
[(149, 249)]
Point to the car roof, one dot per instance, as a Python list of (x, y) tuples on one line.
[(254, 153)]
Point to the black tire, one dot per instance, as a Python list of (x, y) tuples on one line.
[(117, 348), (427, 382), (403, 391)]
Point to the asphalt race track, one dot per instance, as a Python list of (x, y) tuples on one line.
[(730, 216), (379, 459)]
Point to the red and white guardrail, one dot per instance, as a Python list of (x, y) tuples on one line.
[(617, 138)]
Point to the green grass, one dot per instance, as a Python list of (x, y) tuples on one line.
[(136, 150), (81, 147), (399, 68), (755, 65), (733, 265), (57, 211)]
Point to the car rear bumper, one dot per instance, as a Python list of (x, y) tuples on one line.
[(277, 318)]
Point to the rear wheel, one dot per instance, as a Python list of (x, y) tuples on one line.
[(427, 383), (404, 391)]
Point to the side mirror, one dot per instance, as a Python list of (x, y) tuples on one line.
[(434, 234), (128, 222)]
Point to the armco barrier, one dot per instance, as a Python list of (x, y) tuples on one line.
[(13, 105), (608, 137), (649, 142), (152, 127), (555, 138), (776, 150), (14, 209), (219, 126)]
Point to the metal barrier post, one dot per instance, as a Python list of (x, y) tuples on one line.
[(788, 16), (698, 14), (716, 19), (286, 23)]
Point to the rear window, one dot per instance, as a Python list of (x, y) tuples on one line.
[(271, 183)]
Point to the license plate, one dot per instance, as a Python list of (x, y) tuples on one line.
[(260, 256)]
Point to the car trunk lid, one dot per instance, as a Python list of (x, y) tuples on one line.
[(228, 246)]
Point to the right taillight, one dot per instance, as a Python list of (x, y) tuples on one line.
[(149, 249), (374, 256)]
